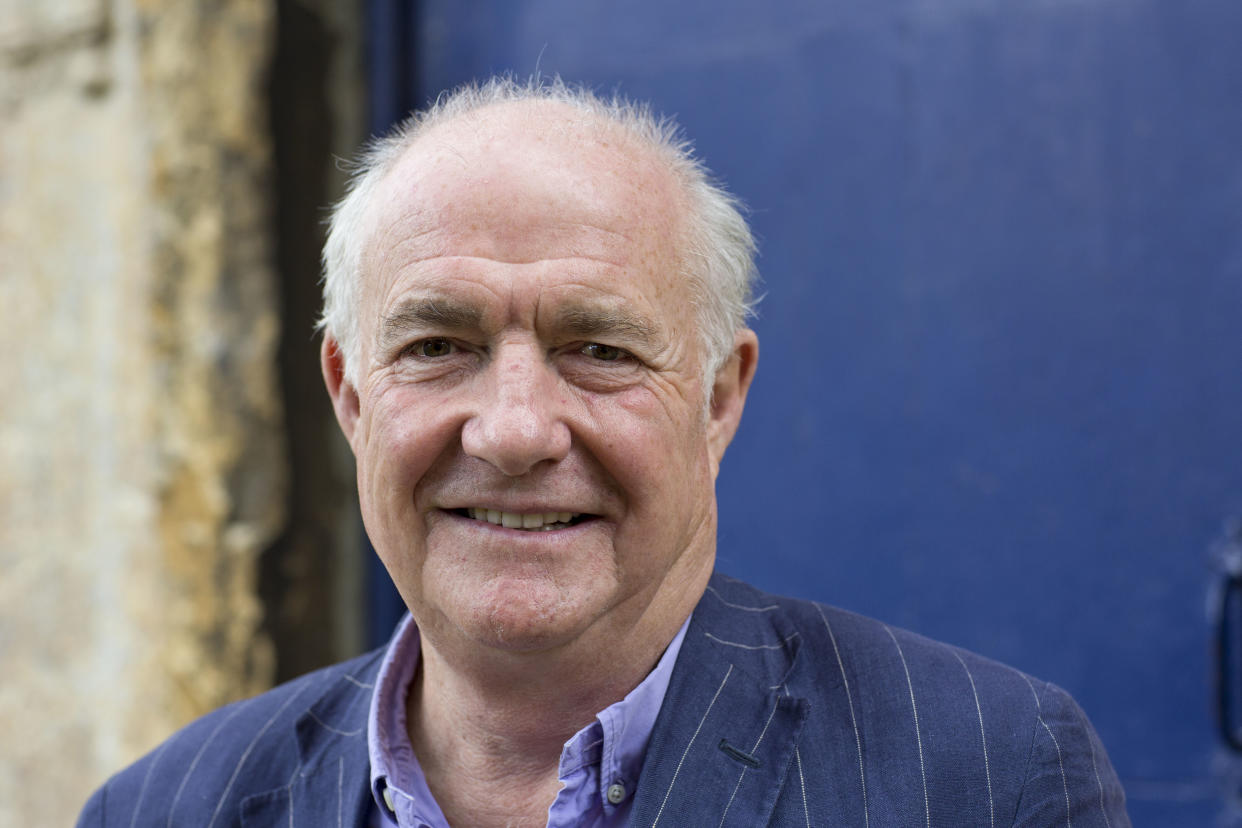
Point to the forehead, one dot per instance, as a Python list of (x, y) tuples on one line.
[(524, 182)]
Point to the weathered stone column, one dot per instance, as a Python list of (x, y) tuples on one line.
[(141, 459)]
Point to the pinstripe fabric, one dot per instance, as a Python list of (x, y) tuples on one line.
[(295, 756), (779, 712), (856, 723)]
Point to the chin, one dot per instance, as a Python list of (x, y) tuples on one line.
[(522, 615)]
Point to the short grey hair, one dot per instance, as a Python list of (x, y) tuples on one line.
[(719, 254)]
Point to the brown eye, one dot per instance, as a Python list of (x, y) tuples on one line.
[(432, 348), (604, 353)]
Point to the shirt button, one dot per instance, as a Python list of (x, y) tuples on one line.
[(388, 800), (616, 793)]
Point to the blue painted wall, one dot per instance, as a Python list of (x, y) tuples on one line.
[(998, 396)]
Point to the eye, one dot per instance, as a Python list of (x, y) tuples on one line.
[(604, 353), (431, 348)]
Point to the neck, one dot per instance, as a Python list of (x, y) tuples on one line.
[(498, 722)]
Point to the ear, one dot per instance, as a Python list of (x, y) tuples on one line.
[(344, 395), (729, 394)]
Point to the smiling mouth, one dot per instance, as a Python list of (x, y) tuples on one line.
[(532, 522)]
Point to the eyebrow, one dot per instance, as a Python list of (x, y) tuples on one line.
[(440, 314), (591, 322)]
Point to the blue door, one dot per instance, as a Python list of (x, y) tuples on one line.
[(998, 396)]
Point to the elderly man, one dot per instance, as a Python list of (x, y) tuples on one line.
[(535, 345)]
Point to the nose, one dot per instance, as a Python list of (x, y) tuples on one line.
[(518, 422)]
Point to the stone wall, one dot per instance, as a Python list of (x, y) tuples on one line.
[(142, 450)]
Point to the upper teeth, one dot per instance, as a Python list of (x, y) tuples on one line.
[(515, 520)]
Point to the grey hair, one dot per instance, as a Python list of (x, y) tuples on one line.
[(719, 254)]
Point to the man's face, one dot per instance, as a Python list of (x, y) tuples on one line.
[(534, 463)]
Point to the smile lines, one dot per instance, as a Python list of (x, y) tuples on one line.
[(535, 521)]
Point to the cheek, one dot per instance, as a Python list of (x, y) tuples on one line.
[(651, 450), (404, 435)]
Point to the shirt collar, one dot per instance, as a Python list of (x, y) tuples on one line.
[(617, 739), (393, 764)]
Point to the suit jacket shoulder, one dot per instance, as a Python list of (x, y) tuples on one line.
[(300, 745), (787, 712)]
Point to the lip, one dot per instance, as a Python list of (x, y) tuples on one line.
[(524, 505)]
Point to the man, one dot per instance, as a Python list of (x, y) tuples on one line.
[(535, 345)]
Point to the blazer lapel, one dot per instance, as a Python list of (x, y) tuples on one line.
[(726, 734), (331, 784)]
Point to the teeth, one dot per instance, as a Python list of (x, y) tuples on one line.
[(535, 521)]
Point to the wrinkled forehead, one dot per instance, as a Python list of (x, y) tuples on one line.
[(529, 177)]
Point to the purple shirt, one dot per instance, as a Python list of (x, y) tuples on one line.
[(599, 766)]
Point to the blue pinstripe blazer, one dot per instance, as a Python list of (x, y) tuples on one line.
[(779, 712)]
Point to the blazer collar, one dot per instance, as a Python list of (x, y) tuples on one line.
[(727, 731)]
